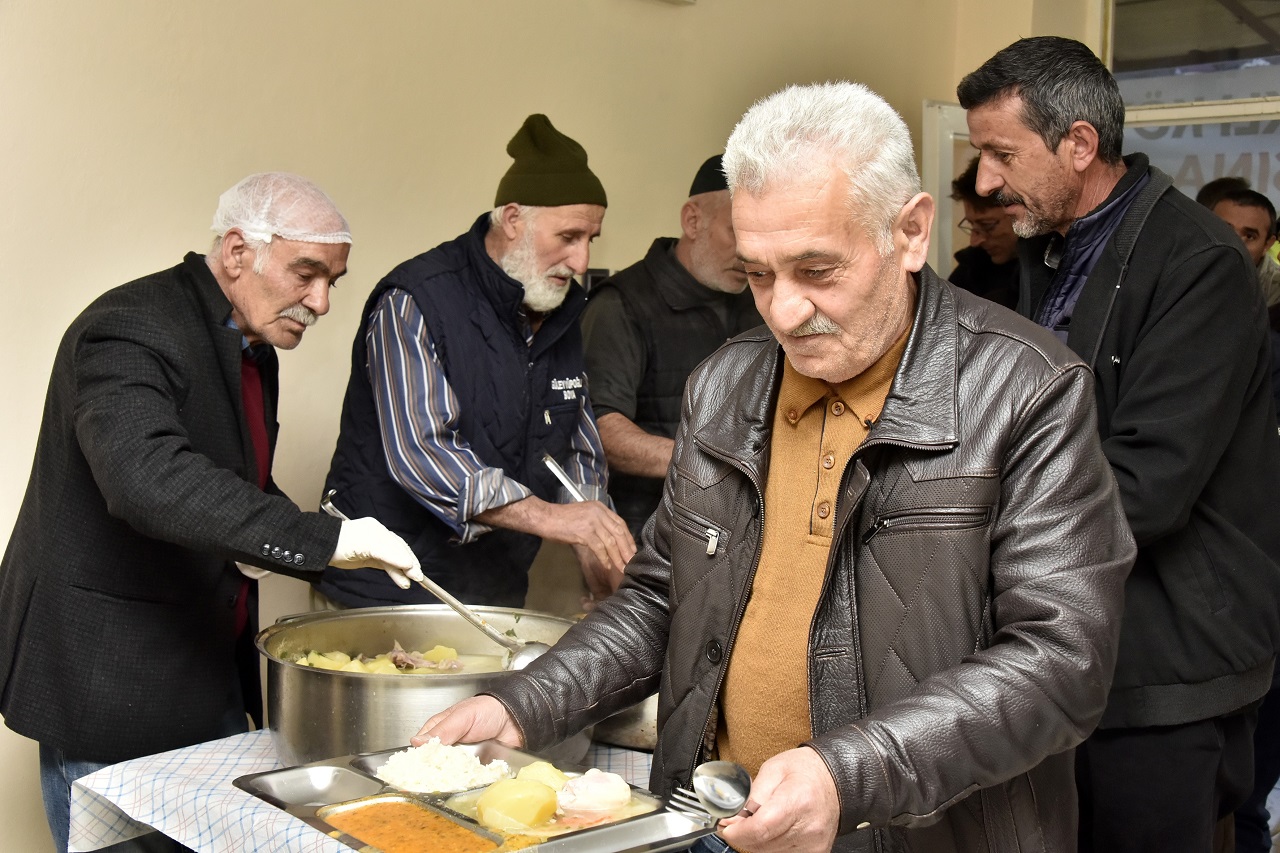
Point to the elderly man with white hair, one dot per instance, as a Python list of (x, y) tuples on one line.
[(126, 623), (466, 376), (887, 569)]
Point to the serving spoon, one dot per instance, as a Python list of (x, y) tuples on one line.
[(520, 653), (721, 788)]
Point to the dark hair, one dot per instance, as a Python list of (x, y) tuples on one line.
[(1250, 198), (1212, 192), (965, 188), (1060, 82)]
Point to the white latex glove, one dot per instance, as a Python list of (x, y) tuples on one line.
[(366, 543)]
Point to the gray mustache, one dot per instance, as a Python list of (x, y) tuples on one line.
[(300, 314), (818, 324)]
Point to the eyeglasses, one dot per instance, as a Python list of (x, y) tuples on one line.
[(984, 229)]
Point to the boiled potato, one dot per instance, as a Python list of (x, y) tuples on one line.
[(320, 661), (382, 665), (547, 774), (354, 666), (512, 805), (338, 657), (440, 653)]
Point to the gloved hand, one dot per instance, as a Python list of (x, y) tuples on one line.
[(366, 543)]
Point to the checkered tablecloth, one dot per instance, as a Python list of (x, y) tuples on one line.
[(187, 794)]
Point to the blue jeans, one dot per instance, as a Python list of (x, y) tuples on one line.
[(709, 844), (57, 772)]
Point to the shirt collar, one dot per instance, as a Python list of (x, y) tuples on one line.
[(864, 394)]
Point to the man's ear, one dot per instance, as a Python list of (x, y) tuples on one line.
[(510, 218), (234, 253), (1082, 140), (690, 219), (911, 230)]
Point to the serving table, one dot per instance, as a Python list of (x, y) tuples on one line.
[(187, 794)]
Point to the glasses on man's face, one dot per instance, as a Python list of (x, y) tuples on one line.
[(983, 229)]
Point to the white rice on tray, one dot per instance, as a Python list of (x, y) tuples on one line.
[(435, 768)]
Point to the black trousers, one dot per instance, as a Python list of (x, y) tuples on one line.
[(1162, 789), (1253, 830)]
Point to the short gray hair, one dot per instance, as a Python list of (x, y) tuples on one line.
[(802, 130), (525, 213)]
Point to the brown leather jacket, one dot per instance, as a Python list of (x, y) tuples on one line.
[(967, 631)]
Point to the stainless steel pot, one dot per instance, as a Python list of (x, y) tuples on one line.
[(316, 714)]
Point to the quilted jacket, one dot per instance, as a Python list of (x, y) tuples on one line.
[(967, 630)]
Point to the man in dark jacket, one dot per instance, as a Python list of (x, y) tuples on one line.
[(1156, 294), (645, 330), (988, 266), (886, 572), (125, 627), (465, 373)]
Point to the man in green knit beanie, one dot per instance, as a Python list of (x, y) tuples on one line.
[(467, 372)]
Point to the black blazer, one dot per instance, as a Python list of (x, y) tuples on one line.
[(117, 625)]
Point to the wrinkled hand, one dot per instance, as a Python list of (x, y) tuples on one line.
[(366, 543), (597, 528), (797, 807), (470, 721), (601, 580)]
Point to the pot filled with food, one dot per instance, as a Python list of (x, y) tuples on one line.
[(351, 681)]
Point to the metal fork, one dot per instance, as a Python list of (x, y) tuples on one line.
[(686, 802)]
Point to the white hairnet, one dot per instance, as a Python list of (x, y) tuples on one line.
[(283, 205)]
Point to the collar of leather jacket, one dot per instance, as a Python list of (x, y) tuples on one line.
[(920, 410)]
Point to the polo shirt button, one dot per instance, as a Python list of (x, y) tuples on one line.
[(837, 408), (793, 416), (829, 460), (824, 509), (714, 651)]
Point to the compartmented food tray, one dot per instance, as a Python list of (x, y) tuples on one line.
[(337, 786)]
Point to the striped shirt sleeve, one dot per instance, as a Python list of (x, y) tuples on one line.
[(418, 417)]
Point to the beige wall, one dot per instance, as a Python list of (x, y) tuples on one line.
[(123, 121)]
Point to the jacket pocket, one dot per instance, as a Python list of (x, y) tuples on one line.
[(931, 519), (693, 525)]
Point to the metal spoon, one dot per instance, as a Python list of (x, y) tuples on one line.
[(723, 788), (520, 653)]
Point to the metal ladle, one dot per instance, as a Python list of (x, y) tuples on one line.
[(520, 653)]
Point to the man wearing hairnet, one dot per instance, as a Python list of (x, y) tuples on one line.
[(126, 626), (467, 371)]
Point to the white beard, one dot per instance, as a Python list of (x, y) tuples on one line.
[(541, 294)]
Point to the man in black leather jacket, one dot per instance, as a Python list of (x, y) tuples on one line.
[(915, 609)]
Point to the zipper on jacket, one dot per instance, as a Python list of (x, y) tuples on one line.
[(946, 518), (698, 528), (546, 416), (742, 602)]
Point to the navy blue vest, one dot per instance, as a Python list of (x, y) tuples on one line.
[(510, 412)]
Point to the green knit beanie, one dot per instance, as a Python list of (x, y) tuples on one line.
[(550, 169)]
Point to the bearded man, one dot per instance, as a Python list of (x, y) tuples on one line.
[(466, 370)]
